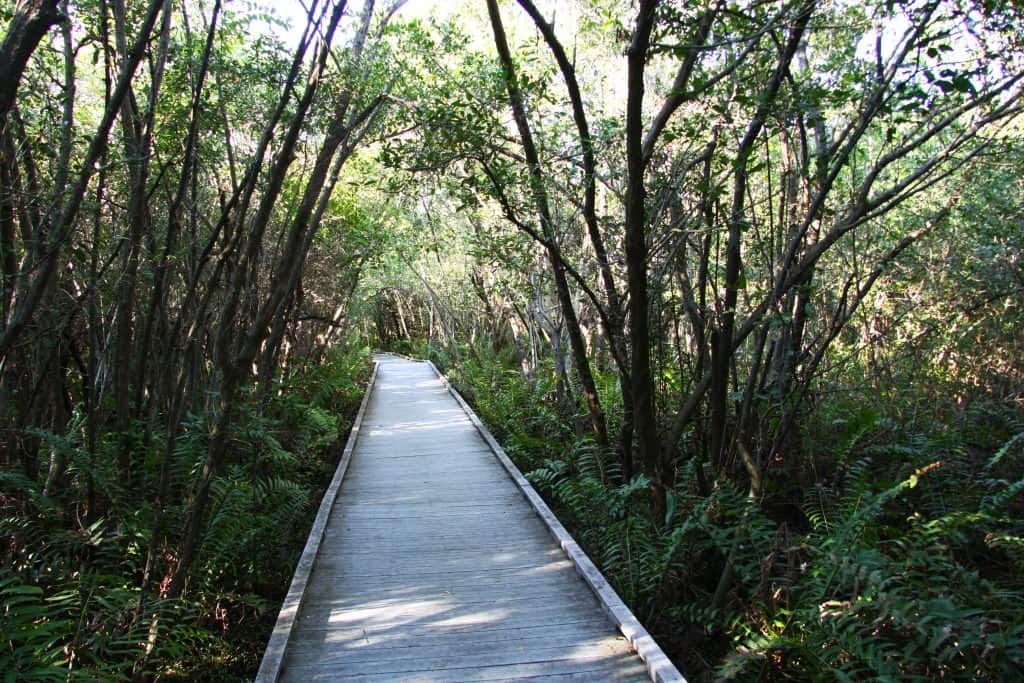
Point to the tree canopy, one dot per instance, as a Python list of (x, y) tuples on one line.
[(738, 284)]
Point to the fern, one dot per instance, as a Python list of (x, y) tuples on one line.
[(71, 603), (32, 632), (897, 608)]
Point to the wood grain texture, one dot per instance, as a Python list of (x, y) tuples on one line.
[(658, 664), (273, 656), (434, 566)]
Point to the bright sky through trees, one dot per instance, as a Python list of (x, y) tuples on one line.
[(739, 284), (293, 13)]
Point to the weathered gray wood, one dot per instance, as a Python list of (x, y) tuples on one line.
[(434, 565), (467, 642), (360, 637), (273, 657), (624, 668), (594, 649), (658, 664)]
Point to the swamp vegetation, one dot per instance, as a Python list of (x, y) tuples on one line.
[(739, 285)]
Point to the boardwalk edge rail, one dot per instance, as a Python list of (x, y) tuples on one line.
[(273, 656), (658, 664)]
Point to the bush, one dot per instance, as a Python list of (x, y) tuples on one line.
[(79, 599), (905, 564)]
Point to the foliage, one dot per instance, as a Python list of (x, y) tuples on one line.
[(898, 582), (740, 288), (524, 412), (905, 565), (73, 604)]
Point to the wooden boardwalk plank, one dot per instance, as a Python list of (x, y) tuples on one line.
[(433, 565)]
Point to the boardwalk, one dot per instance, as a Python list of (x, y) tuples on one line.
[(434, 565)]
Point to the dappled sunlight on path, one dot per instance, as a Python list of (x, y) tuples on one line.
[(435, 567)]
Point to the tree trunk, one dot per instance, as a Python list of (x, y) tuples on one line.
[(62, 217), (576, 341), (722, 346), (641, 381), (32, 20)]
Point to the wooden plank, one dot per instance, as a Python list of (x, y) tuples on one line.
[(273, 656), (440, 606), (330, 568), (522, 672), (478, 580), (432, 555), (447, 594), (387, 543), (331, 636), (427, 499), (661, 668), (428, 513), (402, 644), (431, 546), (470, 478), (591, 649), (590, 666), (369, 530)]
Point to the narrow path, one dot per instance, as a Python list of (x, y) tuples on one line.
[(434, 566)]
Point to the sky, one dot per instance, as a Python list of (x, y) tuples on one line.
[(293, 11)]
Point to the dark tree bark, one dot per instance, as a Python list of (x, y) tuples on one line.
[(613, 318), (722, 346), (32, 20), (644, 408), (137, 132), (237, 342), (61, 218), (576, 341), (232, 367)]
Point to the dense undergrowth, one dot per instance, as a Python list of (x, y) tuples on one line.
[(79, 602), (898, 554)]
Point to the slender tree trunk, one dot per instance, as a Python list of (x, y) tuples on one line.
[(60, 219), (722, 346), (195, 519), (576, 341), (32, 20), (613, 319), (235, 348), (641, 380)]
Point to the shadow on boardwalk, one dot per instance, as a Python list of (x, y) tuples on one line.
[(434, 566)]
